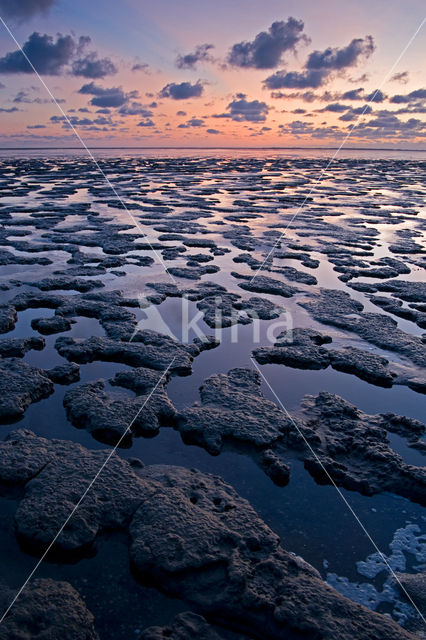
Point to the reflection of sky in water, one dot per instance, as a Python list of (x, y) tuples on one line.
[(300, 513)]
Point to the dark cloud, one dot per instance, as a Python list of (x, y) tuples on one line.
[(335, 107), (100, 123), (375, 96), (364, 77), (36, 126), (135, 109), (140, 66), (335, 59), (321, 64), (47, 56), (190, 60), (299, 111), (74, 120), (182, 91), (352, 114), (416, 107), (298, 129), (402, 77), (9, 109), (181, 113), (193, 122), (296, 80), (266, 50), (389, 125), (146, 123), (93, 67), (112, 97), (418, 94), (353, 94), (306, 96), (243, 110), (24, 97), (22, 10), (212, 131)]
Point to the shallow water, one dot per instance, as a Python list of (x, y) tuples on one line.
[(313, 521)]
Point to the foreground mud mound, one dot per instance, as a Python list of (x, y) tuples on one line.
[(46, 610), (191, 535)]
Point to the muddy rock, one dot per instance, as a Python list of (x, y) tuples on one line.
[(47, 326), (221, 558), (415, 585), (149, 349), (186, 626), (191, 535), (338, 309), (20, 385), (233, 408), (66, 282), (303, 349), (55, 473), (264, 284), (110, 416), (18, 347), (352, 448), (193, 272), (64, 373), (365, 365), (8, 317), (46, 610)]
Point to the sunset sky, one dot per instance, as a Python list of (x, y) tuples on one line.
[(225, 73)]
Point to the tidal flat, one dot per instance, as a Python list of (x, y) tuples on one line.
[(236, 342)]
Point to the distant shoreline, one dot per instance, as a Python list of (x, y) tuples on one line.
[(219, 148)]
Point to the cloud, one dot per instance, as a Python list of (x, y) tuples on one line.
[(212, 131), (353, 94), (298, 128), (146, 123), (190, 60), (242, 110), (306, 96), (321, 64), (140, 66), (402, 77), (182, 91), (47, 56), (112, 97), (335, 59), (296, 80), (100, 123), (389, 125), (93, 67), (376, 96), (8, 109), (266, 50), (418, 94), (21, 10), (181, 113), (353, 113), (193, 122), (135, 109), (23, 97), (36, 126), (335, 107)]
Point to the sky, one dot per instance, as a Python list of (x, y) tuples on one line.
[(228, 73)]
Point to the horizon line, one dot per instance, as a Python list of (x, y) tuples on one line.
[(219, 147)]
